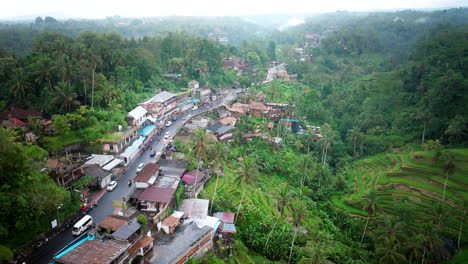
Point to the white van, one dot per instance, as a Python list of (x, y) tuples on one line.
[(82, 225)]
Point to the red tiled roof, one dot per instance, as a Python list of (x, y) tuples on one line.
[(157, 194), (13, 122)]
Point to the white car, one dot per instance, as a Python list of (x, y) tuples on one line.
[(167, 135), (111, 186), (195, 108), (140, 167), (169, 123)]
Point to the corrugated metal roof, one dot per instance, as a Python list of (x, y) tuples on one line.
[(138, 112), (194, 207), (127, 230), (113, 223), (95, 251), (156, 194)]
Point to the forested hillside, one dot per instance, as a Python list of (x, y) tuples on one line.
[(18, 36), (383, 182)]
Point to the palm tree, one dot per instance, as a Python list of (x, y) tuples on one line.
[(202, 68), (449, 167), (392, 229), (20, 84), (201, 143), (462, 206), (318, 253), (218, 153), (328, 137), (248, 172), (405, 209), (355, 135), (42, 68), (299, 213), (439, 214), (64, 96), (283, 195), (415, 248), (371, 206), (432, 241), (307, 167), (387, 252), (424, 116)]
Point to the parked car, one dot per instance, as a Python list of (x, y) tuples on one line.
[(169, 123), (166, 136), (195, 107), (140, 167), (111, 186), (152, 154)]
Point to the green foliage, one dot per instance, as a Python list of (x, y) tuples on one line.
[(143, 221), (84, 181)]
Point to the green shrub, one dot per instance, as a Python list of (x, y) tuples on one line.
[(143, 221)]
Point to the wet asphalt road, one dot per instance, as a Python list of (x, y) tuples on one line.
[(104, 208)]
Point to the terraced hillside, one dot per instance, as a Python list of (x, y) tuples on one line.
[(408, 180)]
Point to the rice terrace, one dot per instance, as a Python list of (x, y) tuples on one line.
[(408, 181)]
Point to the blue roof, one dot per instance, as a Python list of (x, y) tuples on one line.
[(146, 130), (195, 100), (228, 228)]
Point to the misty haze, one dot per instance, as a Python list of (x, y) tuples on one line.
[(233, 132)]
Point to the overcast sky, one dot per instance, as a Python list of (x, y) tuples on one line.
[(149, 8)]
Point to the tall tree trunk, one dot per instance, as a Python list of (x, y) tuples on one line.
[(92, 92), (423, 134), (424, 254), (365, 229), (271, 232), (445, 187), (461, 228), (196, 177), (292, 245), (214, 193), (238, 208), (84, 88), (355, 148)]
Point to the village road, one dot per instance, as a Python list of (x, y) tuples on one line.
[(46, 253)]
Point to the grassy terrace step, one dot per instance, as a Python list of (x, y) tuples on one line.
[(432, 180), (420, 185), (409, 194), (338, 202)]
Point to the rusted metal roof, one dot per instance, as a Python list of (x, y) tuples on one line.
[(171, 221), (113, 223), (142, 243), (156, 194), (95, 251), (150, 169)]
